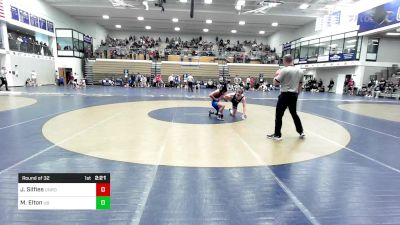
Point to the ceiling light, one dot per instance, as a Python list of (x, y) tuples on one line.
[(118, 26), (304, 6), (274, 24), (106, 17), (177, 28), (207, 1), (140, 18), (183, 1), (261, 32), (393, 34), (242, 22), (208, 21), (175, 20), (205, 30), (350, 46), (147, 27), (233, 31)]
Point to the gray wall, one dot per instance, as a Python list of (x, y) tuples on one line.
[(44, 68), (326, 74), (389, 50), (277, 39)]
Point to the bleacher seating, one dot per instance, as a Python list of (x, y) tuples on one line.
[(175, 49), (245, 70), (109, 68), (200, 71)]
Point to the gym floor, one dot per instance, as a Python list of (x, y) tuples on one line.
[(172, 164)]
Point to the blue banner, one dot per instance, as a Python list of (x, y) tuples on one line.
[(287, 46), (30, 19), (348, 56), (34, 21), (380, 16), (23, 16), (42, 23), (87, 39), (342, 57), (14, 13), (335, 57), (50, 26)]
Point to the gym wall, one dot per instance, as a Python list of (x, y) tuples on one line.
[(43, 67)]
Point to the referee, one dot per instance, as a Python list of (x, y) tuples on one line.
[(290, 78)]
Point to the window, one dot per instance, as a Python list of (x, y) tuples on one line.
[(372, 49), (69, 43), (297, 51), (64, 44), (337, 44), (323, 49), (340, 47), (350, 46), (313, 51), (292, 48), (304, 50)]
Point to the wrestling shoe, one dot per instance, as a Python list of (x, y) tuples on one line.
[(231, 112), (302, 135)]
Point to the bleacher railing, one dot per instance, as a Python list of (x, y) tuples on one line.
[(118, 52)]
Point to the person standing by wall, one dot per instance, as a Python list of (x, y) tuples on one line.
[(34, 78), (248, 80), (331, 84), (190, 81), (171, 80), (290, 78), (57, 78), (3, 78)]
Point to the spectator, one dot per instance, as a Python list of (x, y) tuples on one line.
[(331, 84), (190, 80), (171, 80), (34, 78), (3, 78)]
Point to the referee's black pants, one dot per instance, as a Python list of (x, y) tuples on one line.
[(285, 100), (190, 84), (4, 82)]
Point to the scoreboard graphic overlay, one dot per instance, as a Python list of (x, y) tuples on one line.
[(64, 191)]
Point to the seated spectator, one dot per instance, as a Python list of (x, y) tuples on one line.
[(363, 91)]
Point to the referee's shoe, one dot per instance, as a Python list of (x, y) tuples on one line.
[(274, 137), (279, 138)]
